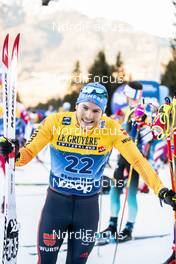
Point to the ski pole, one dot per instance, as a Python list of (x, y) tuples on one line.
[(169, 129), (135, 137), (174, 135), (168, 110), (168, 132), (174, 167)]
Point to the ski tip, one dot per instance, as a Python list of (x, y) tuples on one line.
[(6, 38), (16, 45), (5, 51)]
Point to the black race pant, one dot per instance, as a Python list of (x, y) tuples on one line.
[(119, 171), (72, 216)]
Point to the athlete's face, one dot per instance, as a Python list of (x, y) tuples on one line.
[(88, 115)]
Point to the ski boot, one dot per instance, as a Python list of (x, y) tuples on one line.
[(109, 235), (126, 233)]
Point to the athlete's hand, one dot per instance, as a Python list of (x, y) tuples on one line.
[(8, 147), (168, 196)]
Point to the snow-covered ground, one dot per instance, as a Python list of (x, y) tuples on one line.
[(151, 220)]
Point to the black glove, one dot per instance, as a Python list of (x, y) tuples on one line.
[(7, 146), (168, 196)]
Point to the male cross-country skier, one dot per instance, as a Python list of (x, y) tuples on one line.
[(133, 94), (80, 143)]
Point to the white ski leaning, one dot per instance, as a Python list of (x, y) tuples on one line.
[(11, 227)]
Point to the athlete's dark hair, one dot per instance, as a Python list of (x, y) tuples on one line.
[(135, 85)]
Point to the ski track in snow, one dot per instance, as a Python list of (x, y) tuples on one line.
[(152, 219)]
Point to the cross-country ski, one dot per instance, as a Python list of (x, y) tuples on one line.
[(10, 242)]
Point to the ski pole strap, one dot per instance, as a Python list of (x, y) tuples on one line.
[(166, 112), (161, 125)]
